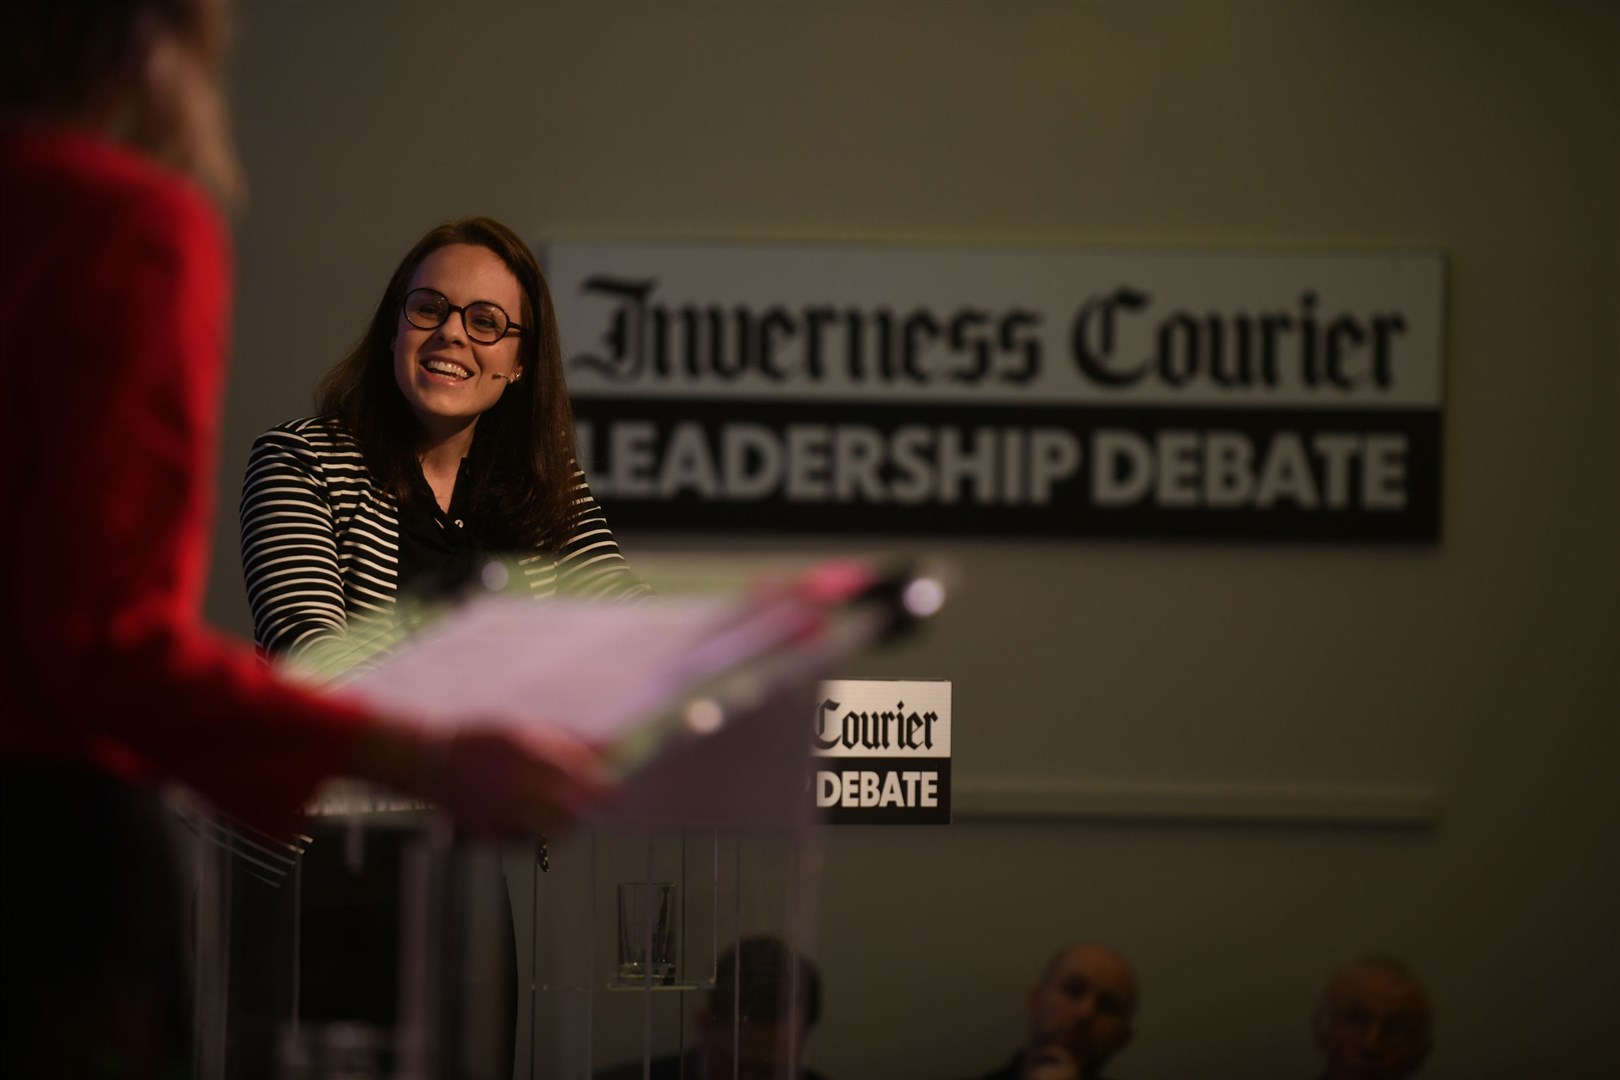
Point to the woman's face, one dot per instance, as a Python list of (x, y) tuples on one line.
[(449, 379)]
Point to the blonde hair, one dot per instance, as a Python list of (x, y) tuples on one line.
[(145, 71)]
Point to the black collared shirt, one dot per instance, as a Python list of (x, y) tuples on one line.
[(440, 551)]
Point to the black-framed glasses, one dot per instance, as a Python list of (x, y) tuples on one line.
[(485, 322)]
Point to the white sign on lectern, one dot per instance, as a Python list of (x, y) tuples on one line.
[(883, 752)]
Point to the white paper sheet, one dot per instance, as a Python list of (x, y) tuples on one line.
[(619, 675)]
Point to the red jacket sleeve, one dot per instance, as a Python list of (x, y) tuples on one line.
[(113, 552)]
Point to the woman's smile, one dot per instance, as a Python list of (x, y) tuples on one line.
[(445, 370)]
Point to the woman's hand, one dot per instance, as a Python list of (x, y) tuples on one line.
[(505, 780), (491, 777)]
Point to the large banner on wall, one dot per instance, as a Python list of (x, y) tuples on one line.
[(816, 389)]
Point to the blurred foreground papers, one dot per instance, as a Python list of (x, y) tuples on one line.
[(701, 704)]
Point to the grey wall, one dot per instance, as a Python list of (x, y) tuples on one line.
[(1114, 680)]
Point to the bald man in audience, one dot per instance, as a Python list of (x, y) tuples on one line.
[(1080, 1016), (1373, 1022)]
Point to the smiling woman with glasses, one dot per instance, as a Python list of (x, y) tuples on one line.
[(444, 436)]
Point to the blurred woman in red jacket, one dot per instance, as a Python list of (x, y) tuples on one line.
[(114, 292)]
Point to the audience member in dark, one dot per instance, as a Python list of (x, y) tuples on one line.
[(1080, 1016), (752, 1025), (1373, 1022)]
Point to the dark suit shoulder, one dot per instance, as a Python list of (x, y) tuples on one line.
[(1008, 1071), (663, 1068)]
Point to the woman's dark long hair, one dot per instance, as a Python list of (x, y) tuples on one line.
[(522, 459)]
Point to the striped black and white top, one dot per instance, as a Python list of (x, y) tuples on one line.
[(321, 542)]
